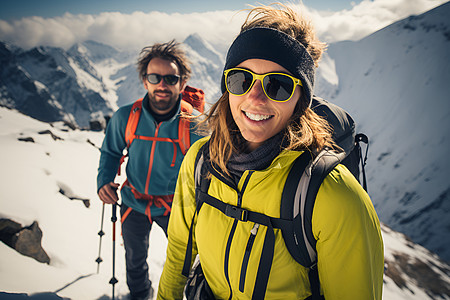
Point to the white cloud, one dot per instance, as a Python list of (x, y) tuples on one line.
[(136, 30), (124, 31), (366, 17)]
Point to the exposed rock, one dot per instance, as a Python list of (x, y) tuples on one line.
[(54, 137), (71, 125), (64, 190), (26, 139), (26, 241), (427, 275), (96, 125), (97, 121), (8, 230)]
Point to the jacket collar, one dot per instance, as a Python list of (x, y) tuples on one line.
[(169, 117)]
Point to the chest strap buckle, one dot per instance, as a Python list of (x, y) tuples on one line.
[(236, 213)]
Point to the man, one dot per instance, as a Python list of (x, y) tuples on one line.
[(155, 152)]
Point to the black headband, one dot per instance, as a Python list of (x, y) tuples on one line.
[(276, 46)]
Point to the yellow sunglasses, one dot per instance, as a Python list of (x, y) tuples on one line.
[(278, 87)]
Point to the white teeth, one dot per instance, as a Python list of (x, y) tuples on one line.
[(255, 117)]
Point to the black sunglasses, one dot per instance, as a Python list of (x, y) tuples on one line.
[(156, 78), (278, 87)]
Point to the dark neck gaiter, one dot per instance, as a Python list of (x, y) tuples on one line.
[(258, 159)]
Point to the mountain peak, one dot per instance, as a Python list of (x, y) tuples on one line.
[(94, 50), (198, 44)]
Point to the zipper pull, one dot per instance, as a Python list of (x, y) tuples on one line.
[(254, 230)]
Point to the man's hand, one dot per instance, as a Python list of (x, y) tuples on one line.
[(108, 193)]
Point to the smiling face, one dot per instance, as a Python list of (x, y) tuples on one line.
[(258, 117)]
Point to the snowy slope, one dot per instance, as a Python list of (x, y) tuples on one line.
[(35, 172), (395, 83), (33, 175)]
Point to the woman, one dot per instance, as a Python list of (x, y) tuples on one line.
[(260, 125)]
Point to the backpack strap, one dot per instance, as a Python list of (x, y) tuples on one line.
[(201, 182), (314, 175), (184, 136), (361, 137), (183, 126), (304, 200), (133, 120), (297, 204), (130, 129)]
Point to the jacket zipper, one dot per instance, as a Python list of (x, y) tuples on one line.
[(248, 250), (230, 237), (152, 157)]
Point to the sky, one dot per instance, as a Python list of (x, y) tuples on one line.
[(132, 25), (53, 8)]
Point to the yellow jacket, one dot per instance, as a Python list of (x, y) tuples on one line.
[(345, 224)]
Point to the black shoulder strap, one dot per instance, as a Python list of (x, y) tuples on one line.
[(297, 203), (319, 169), (202, 183), (288, 211), (361, 137)]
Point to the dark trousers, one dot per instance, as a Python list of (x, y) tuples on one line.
[(135, 232)]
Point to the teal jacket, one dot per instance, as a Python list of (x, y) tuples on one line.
[(152, 166)]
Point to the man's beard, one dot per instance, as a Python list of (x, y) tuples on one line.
[(162, 105)]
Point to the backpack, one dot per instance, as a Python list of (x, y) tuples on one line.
[(344, 136), (191, 98), (298, 198)]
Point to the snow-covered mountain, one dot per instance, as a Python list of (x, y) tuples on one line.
[(207, 66), (395, 83), (49, 178), (88, 81), (51, 85)]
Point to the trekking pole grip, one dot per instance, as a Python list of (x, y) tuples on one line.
[(114, 213)]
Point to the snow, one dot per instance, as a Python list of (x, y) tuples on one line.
[(397, 243), (33, 174)]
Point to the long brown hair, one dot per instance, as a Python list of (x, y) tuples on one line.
[(305, 129)]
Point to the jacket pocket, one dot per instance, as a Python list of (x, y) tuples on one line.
[(248, 250)]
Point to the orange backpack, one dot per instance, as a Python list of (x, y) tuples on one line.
[(191, 98)]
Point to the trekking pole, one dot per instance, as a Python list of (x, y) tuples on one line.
[(361, 137), (101, 233), (113, 280)]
